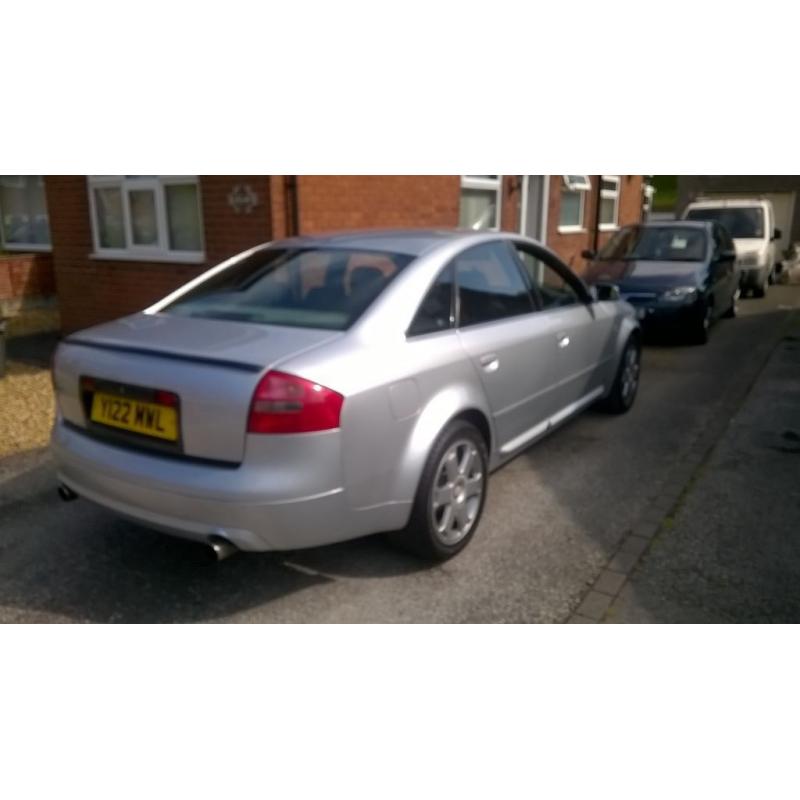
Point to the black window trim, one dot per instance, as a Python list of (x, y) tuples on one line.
[(552, 261), (453, 304)]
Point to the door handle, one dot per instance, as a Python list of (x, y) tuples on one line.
[(563, 339), (490, 362)]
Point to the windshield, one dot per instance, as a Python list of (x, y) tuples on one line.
[(652, 243), (302, 288), (742, 223)]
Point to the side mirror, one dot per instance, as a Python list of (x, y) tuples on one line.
[(588, 254), (777, 234), (604, 291)]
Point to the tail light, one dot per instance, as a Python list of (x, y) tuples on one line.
[(284, 403)]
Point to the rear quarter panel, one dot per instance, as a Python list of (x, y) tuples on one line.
[(399, 397)]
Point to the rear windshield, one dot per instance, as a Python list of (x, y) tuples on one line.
[(742, 223), (652, 243), (302, 288)]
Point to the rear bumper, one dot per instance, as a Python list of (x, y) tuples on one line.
[(251, 506)]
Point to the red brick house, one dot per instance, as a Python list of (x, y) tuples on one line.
[(117, 243)]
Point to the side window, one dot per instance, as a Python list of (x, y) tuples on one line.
[(435, 313), (490, 285), (553, 291)]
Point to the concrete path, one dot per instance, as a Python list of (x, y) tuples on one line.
[(730, 552)]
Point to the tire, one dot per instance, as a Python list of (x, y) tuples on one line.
[(732, 311), (761, 289), (451, 494), (623, 392), (702, 325)]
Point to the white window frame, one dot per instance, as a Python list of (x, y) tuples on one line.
[(21, 247), (487, 185), (611, 194), (583, 187), (577, 183), (133, 252)]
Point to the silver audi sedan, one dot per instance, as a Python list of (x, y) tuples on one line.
[(322, 388)]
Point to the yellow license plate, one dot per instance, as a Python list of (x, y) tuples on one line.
[(137, 416)]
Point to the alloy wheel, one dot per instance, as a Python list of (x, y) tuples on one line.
[(630, 374), (458, 488)]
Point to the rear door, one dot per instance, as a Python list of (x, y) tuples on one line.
[(507, 340), (582, 334)]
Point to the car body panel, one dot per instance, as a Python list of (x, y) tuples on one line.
[(213, 366), (642, 282), (400, 392), (756, 256)]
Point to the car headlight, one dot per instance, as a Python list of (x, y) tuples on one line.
[(679, 294), (749, 260)]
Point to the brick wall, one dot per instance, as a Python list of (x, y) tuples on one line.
[(26, 275), (331, 202), (570, 245), (227, 232), (95, 290)]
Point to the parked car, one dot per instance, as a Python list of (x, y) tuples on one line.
[(751, 223), (322, 388), (678, 275)]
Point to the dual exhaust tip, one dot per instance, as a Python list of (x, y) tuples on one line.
[(220, 547), (66, 494)]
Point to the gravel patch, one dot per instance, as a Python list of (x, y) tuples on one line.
[(27, 408)]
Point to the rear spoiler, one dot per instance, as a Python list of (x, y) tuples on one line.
[(146, 351)]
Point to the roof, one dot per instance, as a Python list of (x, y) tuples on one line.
[(412, 242), (677, 223), (728, 202)]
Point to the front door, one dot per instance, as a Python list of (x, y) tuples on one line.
[(582, 334), (507, 341)]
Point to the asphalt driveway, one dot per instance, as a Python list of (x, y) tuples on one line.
[(553, 519)]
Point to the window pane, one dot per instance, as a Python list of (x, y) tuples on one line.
[(490, 285), (570, 213), (312, 288), (24, 210), (575, 182), (607, 209), (609, 185), (551, 287), (478, 209), (435, 311), (110, 226), (144, 228), (183, 217)]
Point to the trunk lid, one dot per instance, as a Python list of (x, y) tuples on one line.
[(212, 366)]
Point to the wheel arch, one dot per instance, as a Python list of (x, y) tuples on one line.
[(455, 403)]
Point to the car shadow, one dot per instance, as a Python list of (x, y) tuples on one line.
[(79, 562)]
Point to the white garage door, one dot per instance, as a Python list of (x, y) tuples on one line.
[(782, 202)]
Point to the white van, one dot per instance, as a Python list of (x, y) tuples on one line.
[(751, 223)]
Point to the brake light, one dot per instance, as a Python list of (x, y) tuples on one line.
[(166, 398), (284, 403)]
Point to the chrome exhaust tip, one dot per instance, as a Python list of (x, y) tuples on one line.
[(222, 548), (66, 494)]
